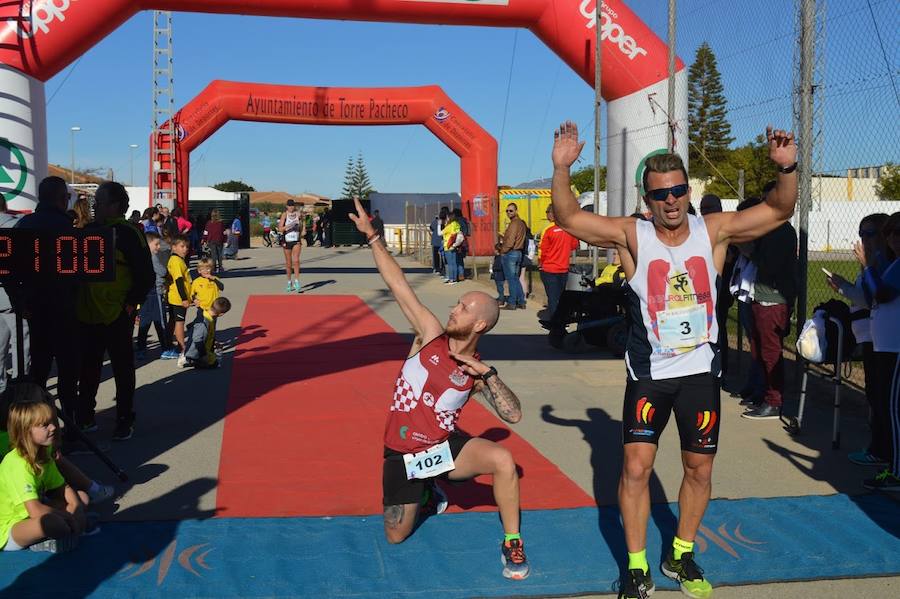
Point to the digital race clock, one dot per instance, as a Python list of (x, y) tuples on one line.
[(81, 254)]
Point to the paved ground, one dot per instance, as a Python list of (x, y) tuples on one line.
[(571, 414)]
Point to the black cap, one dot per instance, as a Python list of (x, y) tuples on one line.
[(291, 202), (710, 203)]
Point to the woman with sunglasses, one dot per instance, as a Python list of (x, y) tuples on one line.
[(671, 262), (870, 250), (884, 288)]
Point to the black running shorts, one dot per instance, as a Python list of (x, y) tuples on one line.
[(177, 313), (695, 400), (399, 490)]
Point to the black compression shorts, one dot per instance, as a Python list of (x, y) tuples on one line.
[(177, 313), (396, 488), (695, 400)]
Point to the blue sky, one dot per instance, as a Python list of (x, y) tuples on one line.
[(108, 92)]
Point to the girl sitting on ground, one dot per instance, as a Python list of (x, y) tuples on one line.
[(37, 509)]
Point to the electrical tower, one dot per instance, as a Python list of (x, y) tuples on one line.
[(162, 149)]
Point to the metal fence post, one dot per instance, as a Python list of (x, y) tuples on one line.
[(807, 60)]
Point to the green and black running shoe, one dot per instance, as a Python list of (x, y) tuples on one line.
[(688, 574), (636, 584)]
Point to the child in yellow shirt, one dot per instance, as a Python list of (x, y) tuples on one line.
[(179, 293), (206, 287)]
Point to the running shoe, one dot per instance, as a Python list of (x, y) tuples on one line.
[(299, 287), (763, 412), (290, 287), (866, 458), (182, 361), (62, 545), (103, 493), (883, 481), (688, 574), (124, 430), (515, 564), (636, 584), (170, 354), (434, 502)]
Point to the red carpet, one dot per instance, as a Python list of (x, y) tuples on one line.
[(311, 383)]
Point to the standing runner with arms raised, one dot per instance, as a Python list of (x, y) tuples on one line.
[(441, 373), (672, 263)]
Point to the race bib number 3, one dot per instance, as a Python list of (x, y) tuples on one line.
[(683, 327), (429, 463)]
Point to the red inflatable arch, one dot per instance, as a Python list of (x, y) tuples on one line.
[(224, 101)]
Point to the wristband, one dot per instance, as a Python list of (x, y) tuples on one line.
[(374, 237), (787, 169), (489, 374)]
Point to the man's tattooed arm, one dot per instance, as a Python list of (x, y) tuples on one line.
[(393, 515), (502, 399)]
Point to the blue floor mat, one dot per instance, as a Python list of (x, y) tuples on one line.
[(457, 555)]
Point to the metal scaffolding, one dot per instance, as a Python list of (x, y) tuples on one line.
[(163, 189)]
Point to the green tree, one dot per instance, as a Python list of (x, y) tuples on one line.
[(233, 186), (753, 159), (583, 179), (361, 179), (709, 132), (349, 180), (888, 185)]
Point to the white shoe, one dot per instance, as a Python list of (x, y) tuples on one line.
[(182, 361)]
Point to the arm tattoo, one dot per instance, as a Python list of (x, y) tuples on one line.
[(393, 515), (502, 399)]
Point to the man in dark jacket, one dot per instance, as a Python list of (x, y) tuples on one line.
[(774, 293), (49, 305), (106, 312)]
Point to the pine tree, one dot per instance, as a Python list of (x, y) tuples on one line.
[(710, 132), (363, 186), (349, 189)]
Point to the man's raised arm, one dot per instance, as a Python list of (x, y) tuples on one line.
[(591, 228), (425, 324)]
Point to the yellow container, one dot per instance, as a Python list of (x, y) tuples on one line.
[(532, 208)]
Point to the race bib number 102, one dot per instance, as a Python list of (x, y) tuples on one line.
[(429, 463)]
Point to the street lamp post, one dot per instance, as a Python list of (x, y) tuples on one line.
[(74, 131), (132, 147)]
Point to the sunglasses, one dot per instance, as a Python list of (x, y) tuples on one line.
[(661, 194), (510, 210)]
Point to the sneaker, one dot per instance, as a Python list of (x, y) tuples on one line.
[(521, 306), (124, 430), (688, 574), (299, 288), (451, 282), (501, 304), (883, 481), (515, 564), (170, 354), (104, 493), (865, 458), (182, 361), (62, 545), (636, 584), (91, 525), (290, 287), (763, 412), (434, 502)]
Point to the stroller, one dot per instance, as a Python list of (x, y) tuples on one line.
[(598, 314)]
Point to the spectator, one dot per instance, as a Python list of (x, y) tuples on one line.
[(774, 292), (554, 252), (444, 220), (49, 306), (884, 289), (148, 221), (453, 239), (497, 274), (310, 234), (709, 204), (168, 222), (82, 210), (436, 243), (179, 295), (325, 223), (200, 352), (184, 225), (234, 239), (511, 249), (871, 250), (37, 509), (317, 227), (463, 250), (153, 308), (135, 219), (266, 223), (106, 311), (214, 235), (8, 343)]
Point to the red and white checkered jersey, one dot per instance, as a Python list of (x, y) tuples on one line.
[(431, 391)]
